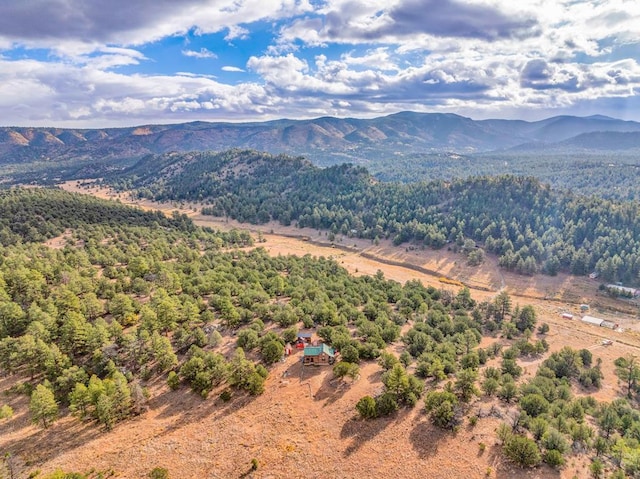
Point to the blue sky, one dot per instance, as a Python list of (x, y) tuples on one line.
[(95, 63)]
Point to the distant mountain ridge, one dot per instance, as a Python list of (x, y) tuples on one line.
[(325, 140)]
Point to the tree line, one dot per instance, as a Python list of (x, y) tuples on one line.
[(529, 226)]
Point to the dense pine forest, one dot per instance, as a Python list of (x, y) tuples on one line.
[(529, 226), (612, 175)]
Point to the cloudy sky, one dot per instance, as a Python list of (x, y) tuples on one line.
[(92, 63)]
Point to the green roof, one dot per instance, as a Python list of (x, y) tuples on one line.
[(317, 350)]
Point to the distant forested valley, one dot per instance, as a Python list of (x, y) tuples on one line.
[(606, 174), (530, 226)]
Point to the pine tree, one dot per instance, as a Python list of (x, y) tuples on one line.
[(105, 411), (43, 406)]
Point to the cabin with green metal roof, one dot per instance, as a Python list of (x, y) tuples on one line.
[(319, 355)]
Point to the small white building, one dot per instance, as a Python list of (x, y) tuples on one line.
[(567, 316), (609, 324), (592, 320)]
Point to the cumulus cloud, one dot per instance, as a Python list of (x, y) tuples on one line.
[(351, 21), (378, 58), (335, 80), (39, 93), (236, 32), (450, 18), (320, 57), (126, 22), (606, 77)]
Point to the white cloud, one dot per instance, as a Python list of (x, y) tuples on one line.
[(202, 53), (229, 68), (484, 57), (42, 93), (378, 58), (237, 32), (69, 25)]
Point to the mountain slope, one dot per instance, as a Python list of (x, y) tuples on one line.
[(324, 140), (604, 141)]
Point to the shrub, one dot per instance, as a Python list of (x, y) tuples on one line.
[(366, 407), (554, 458), (386, 404), (522, 451), (534, 404), (387, 361), (405, 359), (504, 432), (444, 415), (290, 335), (538, 427), (509, 366), (6, 412), (173, 380), (159, 473), (553, 439), (272, 351), (490, 386), (343, 368), (247, 339), (255, 384), (596, 469), (350, 354), (508, 391), (442, 407)]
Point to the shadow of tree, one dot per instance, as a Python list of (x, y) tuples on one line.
[(44, 444), (361, 431), (331, 390), (504, 469), (375, 377), (185, 407), (425, 438)]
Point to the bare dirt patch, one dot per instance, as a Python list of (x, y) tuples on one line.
[(60, 241)]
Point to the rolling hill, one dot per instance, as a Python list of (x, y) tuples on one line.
[(529, 226), (324, 141)]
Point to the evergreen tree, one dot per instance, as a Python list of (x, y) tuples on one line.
[(43, 406)]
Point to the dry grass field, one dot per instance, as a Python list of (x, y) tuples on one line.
[(305, 425)]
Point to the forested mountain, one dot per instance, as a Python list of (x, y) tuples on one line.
[(325, 141), (613, 175), (612, 141), (28, 215), (527, 224)]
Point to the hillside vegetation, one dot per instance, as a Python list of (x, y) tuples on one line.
[(529, 226), (130, 300), (395, 146), (612, 175)]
